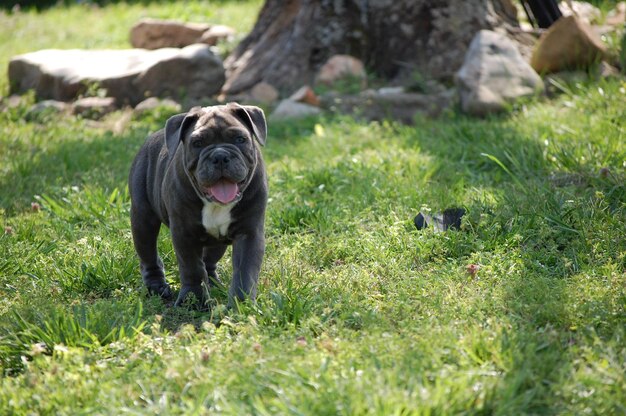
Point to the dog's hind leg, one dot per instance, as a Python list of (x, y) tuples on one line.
[(211, 255)]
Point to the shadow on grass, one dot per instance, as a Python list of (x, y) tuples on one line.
[(64, 157)]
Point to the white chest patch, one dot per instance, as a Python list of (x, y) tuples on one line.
[(216, 218)]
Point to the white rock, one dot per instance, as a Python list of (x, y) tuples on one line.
[(128, 75), (494, 73), (288, 109)]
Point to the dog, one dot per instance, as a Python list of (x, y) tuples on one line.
[(204, 177)]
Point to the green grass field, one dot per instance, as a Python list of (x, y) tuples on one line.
[(358, 312)]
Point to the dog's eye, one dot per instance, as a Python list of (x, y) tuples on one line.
[(240, 140), (196, 143)]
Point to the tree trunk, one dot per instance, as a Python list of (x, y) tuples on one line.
[(394, 38)]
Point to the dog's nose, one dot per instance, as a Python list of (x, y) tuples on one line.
[(220, 158)]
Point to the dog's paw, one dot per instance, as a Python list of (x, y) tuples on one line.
[(162, 290), (200, 293)]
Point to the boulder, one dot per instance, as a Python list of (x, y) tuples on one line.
[(568, 44), (288, 109), (494, 74), (128, 75), (156, 34), (338, 67)]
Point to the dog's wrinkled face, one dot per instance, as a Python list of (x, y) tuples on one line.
[(220, 153)]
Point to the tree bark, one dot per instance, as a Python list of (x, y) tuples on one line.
[(394, 38)]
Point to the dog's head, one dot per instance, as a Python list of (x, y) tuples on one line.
[(219, 147)]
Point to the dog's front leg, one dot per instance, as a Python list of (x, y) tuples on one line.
[(248, 251), (191, 267)]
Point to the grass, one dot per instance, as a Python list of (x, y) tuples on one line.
[(358, 312)]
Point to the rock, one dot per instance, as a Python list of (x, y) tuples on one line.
[(94, 107), (400, 106), (305, 95), (264, 93), (14, 101), (217, 34), (338, 67), (288, 109), (51, 106), (606, 70), (391, 90), (494, 74), (128, 75), (152, 102), (156, 34), (586, 12), (617, 16), (568, 43)]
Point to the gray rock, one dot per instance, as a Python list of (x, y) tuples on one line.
[(153, 102), (156, 34), (128, 75), (389, 104), (94, 107), (288, 109), (264, 93), (494, 74), (49, 105)]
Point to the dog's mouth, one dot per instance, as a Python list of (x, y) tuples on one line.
[(223, 191)]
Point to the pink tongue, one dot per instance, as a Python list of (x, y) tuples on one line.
[(224, 191)]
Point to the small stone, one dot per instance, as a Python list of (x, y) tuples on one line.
[(340, 66), (617, 16), (153, 102), (305, 95), (606, 70), (94, 107), (217, 34), (15, 100), (586, 12), (264, 93), (288, 109), (52, 106)]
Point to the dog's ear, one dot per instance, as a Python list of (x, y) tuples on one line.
[(175, 129), (254, 118)]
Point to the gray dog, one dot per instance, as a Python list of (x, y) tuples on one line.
[(203, 176)]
